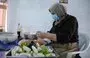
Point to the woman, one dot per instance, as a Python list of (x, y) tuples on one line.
[(64, 32)]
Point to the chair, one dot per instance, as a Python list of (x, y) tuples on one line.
[(84, 44)]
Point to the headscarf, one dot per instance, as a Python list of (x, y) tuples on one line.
[(58, 9)]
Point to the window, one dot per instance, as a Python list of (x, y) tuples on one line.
[(3, 15)]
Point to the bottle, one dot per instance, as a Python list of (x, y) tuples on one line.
[(19, 29)]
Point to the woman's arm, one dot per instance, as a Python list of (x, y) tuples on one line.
[(47, 35)]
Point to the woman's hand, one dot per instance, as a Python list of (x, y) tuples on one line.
[(40, 41), (49, 36), (40, 34)]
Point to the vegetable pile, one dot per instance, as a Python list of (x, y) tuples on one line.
[(33, 50)]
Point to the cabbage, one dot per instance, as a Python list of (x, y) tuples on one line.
[(24, 44), (48, 55), (34, 49), (50, 50), (40, 55), (17, 54), (25, 48), (53, 54), (44, 50), (40, 51), (25, 54)]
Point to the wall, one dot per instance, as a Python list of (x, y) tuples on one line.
[(79, 8), (12, 15), (33, 15), (89, 15)]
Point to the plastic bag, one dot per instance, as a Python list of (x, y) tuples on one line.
[(5, 46)]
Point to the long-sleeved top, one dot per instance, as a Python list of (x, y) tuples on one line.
[(66, 30)]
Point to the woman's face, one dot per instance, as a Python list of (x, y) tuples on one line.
[(57, 9)]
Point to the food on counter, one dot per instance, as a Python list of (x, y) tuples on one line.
[(25, 54), (27, 49), (32, 50), (35, 50), (40, 55)]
